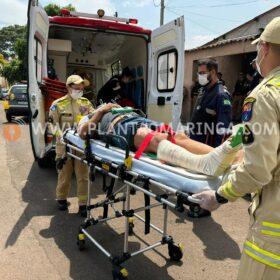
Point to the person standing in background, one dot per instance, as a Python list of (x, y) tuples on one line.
[(212, 113), (220, 75), (186, 107), (239, 94)]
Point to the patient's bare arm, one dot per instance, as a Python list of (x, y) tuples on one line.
[(92, 123)]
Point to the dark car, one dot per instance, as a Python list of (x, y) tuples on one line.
[(16, 102)]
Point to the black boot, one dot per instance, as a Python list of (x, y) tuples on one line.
[(62, 204), (83, 211)]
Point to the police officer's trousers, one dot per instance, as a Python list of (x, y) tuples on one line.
[(251, 269), (65, 176)]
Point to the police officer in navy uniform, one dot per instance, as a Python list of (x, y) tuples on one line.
[(212, 113)]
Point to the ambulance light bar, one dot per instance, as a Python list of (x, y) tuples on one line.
[(100, 15)]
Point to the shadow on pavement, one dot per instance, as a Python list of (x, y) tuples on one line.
[(218, 244), (38, 193)]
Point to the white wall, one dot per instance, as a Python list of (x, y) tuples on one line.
[(60, 64), (227, 55)]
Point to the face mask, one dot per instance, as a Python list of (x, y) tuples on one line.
[(203, 79), (76, 93), (258, 63)]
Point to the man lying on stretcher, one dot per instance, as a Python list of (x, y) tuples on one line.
[(146, 135)]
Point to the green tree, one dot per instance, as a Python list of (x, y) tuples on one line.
[(16, 69), (54, 9), (8, 38), (12, 71)]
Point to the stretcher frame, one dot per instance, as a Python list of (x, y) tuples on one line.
[(132, 182)]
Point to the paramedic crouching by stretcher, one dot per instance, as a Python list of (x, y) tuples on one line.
[(259, 173), (144, 135), (65, 112)]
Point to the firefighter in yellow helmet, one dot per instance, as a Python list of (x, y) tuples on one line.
[(66, 112), (259, 173)]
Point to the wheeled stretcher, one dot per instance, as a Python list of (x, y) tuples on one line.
[(173, 186)]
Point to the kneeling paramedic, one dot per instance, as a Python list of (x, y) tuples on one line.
[(66, 112)]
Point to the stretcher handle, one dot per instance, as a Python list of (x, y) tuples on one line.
[(194, 200), (111, 135)]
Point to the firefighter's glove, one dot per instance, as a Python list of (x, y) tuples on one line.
[(207, 200)]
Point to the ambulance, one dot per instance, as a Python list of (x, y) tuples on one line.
[(99, 46)]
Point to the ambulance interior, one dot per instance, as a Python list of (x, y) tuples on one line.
[(98, 56)]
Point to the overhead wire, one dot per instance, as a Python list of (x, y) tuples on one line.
[(193, 21), (218, 5), (207, 16)]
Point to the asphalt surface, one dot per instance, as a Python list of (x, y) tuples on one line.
[(39, 242)]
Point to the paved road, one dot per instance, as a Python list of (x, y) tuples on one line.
[(38, 242)]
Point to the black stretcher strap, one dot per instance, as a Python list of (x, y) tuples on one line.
[(147, 211), (109, 191)]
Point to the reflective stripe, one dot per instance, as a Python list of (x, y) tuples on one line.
[(82, 197), (272, 225), (269, 232), (228, 191), (211, 112), (261, 255), (232, 192), (271, 229), (275, 81)]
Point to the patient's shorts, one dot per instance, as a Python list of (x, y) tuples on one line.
[(127, 128)]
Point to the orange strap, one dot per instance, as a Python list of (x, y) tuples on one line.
[(150, 135)]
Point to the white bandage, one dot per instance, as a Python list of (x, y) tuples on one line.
[(214, 163)]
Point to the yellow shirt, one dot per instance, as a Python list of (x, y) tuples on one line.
[(66, 112)]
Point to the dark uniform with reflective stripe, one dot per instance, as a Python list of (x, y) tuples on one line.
[(211, 116)]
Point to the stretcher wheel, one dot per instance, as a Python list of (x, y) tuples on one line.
[(81, 242), (175, 251), (120, 273)]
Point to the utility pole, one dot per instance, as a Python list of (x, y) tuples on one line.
[(161, 12)]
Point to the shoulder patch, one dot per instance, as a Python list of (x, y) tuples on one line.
[(247, 137), (247, 109), (83, 109), (227, 102), (53, 107)]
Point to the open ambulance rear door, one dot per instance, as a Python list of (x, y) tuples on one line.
[(166, 72), (38, 29)]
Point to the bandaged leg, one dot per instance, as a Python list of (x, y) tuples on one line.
[(214, 163)]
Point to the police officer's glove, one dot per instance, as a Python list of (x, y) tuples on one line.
[(60, 162)]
